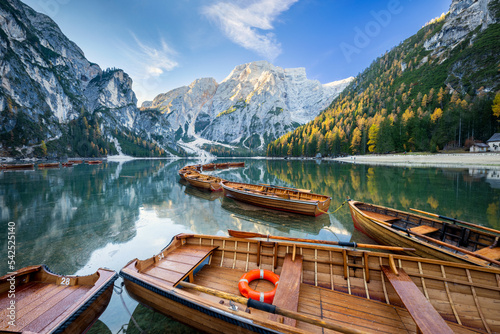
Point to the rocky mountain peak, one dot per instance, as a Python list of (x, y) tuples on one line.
[(463, 17), (46, 81), (256, 102)]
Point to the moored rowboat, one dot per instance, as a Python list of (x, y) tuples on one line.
[(278, 198), (49, 165), (356, 290), (187, 169), (210, 166), (94, 162), (49, 303), (430, 237), (222, 165), (207, 182), (17, 166), (237, 164)]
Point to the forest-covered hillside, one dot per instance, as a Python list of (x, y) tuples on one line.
[(411, 99)]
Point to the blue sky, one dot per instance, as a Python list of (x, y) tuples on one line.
[(165, 44)]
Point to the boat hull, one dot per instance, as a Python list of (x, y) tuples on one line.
[(386, 235), (48, 302), (204, 184), (348, 287), (310, 208), (17, 167), (50, 165), (196, 315)]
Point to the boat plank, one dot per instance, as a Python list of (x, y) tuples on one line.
[(492, 253), (164, 274), (49, 309), (426, 317), (355, 311), (26, 303), (424, 229), (174, 266), (287, 293), (23, 291), (380, 216)]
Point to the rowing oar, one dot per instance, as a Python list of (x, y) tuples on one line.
[(241, 234), (271, 308), (457, 221)]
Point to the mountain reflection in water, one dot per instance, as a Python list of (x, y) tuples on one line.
[(78, 219)]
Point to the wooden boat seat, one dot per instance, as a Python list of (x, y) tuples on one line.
[(287, 293), (179, 264), (424, 229), (491, 253), (380, 216), (427, 319)]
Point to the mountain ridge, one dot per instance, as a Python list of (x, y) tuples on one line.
[(255, 97), (433, 91), (50, 93)]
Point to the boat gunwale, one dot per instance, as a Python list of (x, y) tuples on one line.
[(350, 252)]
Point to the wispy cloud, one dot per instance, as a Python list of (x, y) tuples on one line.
[(155, 60), (147, 65), (243, 24)]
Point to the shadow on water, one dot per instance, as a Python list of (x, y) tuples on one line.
[(155, 323)]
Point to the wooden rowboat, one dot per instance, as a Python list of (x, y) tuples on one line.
[(237, 164), (45, 302), (188, 169), (202, 181), (278, 198), (49, 165), (222, 165), (17, 166), (94, 162), (183, 172), (210, 166), (67, 164), (319, 287), (75, 162), (430, 237)]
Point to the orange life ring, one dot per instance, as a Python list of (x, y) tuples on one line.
[(245, 290)]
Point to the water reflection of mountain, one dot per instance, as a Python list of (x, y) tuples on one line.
[(281, 221), (63, 215)]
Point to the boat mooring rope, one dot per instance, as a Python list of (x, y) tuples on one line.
[(119, 291), (341, 205)]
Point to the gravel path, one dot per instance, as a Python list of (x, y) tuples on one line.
[(483, 160)]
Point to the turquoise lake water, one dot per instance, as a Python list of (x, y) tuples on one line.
[(78, 219)]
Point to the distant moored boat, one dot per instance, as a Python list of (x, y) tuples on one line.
[(278, 198)]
